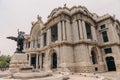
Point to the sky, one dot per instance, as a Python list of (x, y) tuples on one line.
[(18, 14)]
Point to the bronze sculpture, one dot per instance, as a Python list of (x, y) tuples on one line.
[(20, 41)]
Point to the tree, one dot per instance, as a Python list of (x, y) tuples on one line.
[(4, 61)]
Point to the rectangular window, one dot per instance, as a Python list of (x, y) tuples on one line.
[(88, 31), (105, 37), (108, 50), (44, 39), (102, 26), (54, 33), (38, 43), (28, 44), (33, 43)]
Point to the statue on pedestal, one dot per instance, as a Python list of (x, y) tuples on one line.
[(20, 41)]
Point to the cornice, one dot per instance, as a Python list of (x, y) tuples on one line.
[(59, 44), (110, 44)]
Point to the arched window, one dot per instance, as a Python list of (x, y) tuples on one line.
[(38, 39)]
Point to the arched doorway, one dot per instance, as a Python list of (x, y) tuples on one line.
[(94, 58), (94, 55), (54, 61), (110, 64)]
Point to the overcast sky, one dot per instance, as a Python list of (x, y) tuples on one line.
[(16, 14)]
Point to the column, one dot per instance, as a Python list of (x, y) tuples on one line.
[(84, 30), (41, 41), (48, 36), (35, 43), (68, 31), (29, 59), (63, 27), (75, 31), (114, 32), (40, 61), (31, 44), (94, 33), (25, 45), (37, 61), (59, 31), (81, 29)]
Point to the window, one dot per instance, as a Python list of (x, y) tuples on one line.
[(118, 31), (102, 26), (44, 39), (27, 56), (28, 44), (54, 33), (96, 69), (33, 43), (105, 37), (88, 31), (108, 50), (38, 42)]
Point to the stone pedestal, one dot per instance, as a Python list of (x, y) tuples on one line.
[(18, 62)]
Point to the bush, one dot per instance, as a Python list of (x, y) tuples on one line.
[(4, 61)]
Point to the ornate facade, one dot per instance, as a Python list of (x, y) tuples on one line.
[(76, 40)]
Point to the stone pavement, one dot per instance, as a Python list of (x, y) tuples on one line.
[(111, 75), (72, 76)]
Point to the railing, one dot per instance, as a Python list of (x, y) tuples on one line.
[(4, 69)]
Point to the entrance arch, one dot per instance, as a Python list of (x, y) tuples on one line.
[(54, 61), (110, 64), (94, 55)]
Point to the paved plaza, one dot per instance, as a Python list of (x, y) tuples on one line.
[(5, 75)]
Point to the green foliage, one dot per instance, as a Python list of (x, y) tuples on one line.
[(4, 61)]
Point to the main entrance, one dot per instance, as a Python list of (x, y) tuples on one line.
[(33, 60), (54, 61), (110, 64)]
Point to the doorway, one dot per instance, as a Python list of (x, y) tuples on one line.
[(54, 61), (110, 64), (33, 60)]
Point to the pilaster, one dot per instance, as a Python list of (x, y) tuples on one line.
[(29, 59), (94, 33), (59, 31), (36, 61), (84, 30), (81, 29), (48, 36)]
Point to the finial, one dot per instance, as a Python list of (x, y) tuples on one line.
[(38, 17), (65, 5), (18, 31)]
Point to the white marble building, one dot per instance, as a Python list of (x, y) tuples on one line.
[(76, 40)]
